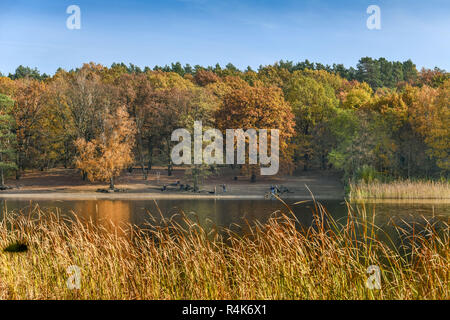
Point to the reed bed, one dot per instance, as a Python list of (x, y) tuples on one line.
[(400, 190), (178, 259)]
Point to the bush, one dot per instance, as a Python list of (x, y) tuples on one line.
[(368, 174)]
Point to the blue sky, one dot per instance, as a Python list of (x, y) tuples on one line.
[(246, 33)]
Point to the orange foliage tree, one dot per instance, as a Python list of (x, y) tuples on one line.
[(104, 157), (431, 118), (259, 108)]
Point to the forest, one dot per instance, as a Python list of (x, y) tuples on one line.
[(381, 120)]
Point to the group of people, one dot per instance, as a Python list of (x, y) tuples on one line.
[(182, 187), (187, 187), (275, 190)]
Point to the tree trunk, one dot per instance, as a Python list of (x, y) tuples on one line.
[(141, 157), (195, 177), (18, 175), (1, 172), (306, 132), (150, 155), (305, 166), (66, 151), (323, 160), (144, 172), (169, 165), (409, 162), (253, 174), (111, 183)]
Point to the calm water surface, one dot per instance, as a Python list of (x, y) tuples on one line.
[(230, 213)]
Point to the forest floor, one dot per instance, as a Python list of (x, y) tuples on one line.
[(67, 183)]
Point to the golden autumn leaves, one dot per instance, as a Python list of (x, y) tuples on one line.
[(98, 118), (177, 103), (104, 157), (259, 107)]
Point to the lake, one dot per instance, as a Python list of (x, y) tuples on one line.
[(232, 213)]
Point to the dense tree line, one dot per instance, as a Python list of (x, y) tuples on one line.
[(377, 73), (382, 119)]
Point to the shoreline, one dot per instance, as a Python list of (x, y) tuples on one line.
[(66, 184), (173, 196), (150, 196)]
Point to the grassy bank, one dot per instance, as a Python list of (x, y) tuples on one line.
[(400, 190), (180, 260)]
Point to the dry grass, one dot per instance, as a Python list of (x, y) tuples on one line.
[(400, 190), (180, 260)]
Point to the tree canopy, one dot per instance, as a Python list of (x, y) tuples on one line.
[(383, 114)]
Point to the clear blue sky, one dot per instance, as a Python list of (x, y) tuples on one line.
[(147, 33)]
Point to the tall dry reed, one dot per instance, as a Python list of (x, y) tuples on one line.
[(400, 190), (178, 259)]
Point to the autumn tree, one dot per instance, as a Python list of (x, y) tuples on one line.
[(30, 98), (88, 98), (433, 78), (139, 97), (431, 116), (274, 75), (312, 103), (359, 95), (7, 138), (7, 86), (202, 105), (104, 157), (383, 114), (205, 77), (81, 100), (61, 118), (259, 108)]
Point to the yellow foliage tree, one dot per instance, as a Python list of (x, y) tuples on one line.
[(430, 114), (168, 80), (103, 158), (7, 86), (358, 96)]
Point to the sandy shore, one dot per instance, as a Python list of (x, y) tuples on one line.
[(66, 184)]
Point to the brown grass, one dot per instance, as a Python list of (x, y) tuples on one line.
[(177, 259), (400, 190)]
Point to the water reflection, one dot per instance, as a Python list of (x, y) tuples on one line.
[(229, 213), (107, 213)]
